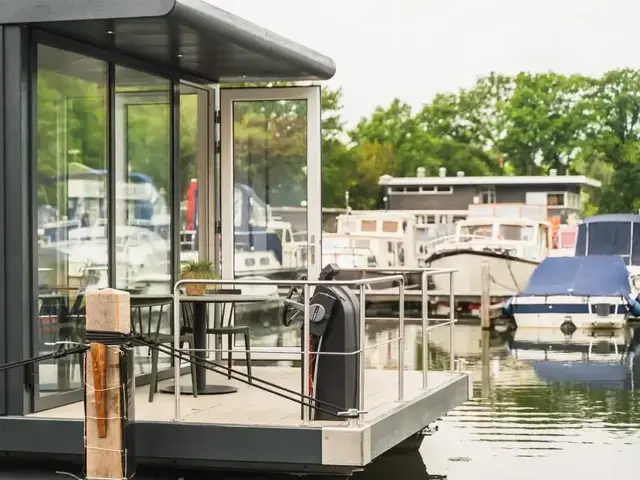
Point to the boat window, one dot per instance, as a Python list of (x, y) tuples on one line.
[(522, 233), (635, 250), (264, 261), (608, 238), (249, 262), (287, 236), (581, 241), (368, 225), (389, 227), (469, 231)]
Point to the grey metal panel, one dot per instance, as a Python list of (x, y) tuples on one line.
[(180, 442), (30, 11), (202, 16), (404, 421), (3, 272), (17, 238), (196, 39)]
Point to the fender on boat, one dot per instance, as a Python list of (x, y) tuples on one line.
[(507, 307), (634, 306)]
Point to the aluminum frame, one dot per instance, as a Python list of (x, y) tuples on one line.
[(310, 94)]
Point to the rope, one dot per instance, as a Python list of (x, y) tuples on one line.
[(117, 338), (59, 353), (243, 377)]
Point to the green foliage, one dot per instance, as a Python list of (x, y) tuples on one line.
[(201, 269), (525, 124)]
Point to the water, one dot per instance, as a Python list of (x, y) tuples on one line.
[(546, 406)]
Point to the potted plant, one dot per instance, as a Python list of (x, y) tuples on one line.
[(201, 270)]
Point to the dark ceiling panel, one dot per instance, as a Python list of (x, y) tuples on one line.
[(197, 38)]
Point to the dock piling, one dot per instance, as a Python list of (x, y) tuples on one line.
[(108, 388), (485, 301)]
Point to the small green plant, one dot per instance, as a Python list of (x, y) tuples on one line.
[(198, 270)]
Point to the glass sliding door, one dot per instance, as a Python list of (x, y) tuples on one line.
[(71, 202), (271, 207), (143, 177)]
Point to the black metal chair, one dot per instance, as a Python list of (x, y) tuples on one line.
[(147, 314), (229, 330)]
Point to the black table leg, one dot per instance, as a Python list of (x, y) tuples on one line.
[(200, 342)]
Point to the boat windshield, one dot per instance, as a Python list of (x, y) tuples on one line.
[(610, 238), (469, 232), (518, 233)]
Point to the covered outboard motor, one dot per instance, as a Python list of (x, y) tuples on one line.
[(334, 327)]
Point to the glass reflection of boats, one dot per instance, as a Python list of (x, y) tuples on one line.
[(577, 292), (596, 358)]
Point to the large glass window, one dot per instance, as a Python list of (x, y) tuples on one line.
[(193, 145), (143, 182), (143, 198), (71, 201), (270, 177)]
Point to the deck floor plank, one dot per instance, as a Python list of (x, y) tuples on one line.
[(253, 406)]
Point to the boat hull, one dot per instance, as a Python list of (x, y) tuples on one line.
[(554, 311), (508, 275)]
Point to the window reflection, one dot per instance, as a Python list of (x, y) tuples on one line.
[(143, 199), (270, 175), (72, 196), (143, 182)]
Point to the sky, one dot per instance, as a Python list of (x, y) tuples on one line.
[(413, 49)]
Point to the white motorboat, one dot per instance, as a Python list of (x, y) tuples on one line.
[(576, 292), (511, 239)]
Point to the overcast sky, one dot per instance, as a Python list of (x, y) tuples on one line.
[(412, 49)]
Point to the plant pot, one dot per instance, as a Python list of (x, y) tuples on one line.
[(194, 289)]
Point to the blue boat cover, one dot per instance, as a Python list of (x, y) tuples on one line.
[(605, 275)]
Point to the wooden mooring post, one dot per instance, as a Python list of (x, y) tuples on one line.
[(485, 298), (109, 385)]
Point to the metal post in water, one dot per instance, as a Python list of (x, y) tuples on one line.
[(176, 346), (452, 320), (306, 375), (401, 345), (425, 330), (361, 346)]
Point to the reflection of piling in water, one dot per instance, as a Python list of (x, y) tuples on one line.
[(485, 299), (486, 363)]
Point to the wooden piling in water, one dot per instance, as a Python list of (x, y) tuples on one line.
[(108, 388), (485, 299)]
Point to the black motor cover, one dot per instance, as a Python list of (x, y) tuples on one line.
[(337, 377)]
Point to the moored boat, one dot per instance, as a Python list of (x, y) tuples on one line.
[(576, 292)]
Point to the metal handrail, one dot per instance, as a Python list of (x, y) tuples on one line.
[(306, 284), (291, 352), (426, 327)]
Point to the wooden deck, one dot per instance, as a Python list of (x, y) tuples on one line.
[(254, 429), (253, 406)]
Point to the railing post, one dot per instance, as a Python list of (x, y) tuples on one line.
[(109, 388), (452, 319), (363, 334), (176, 346), (425, 329), (306, 373), (401, 345)]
